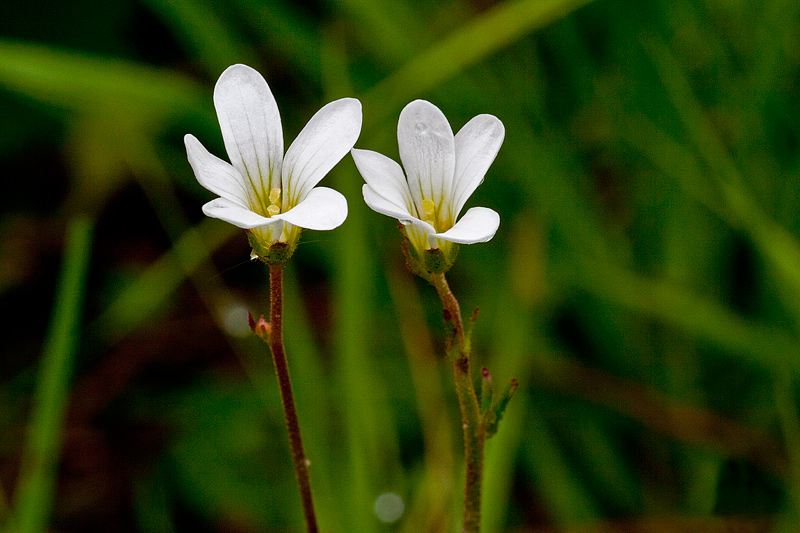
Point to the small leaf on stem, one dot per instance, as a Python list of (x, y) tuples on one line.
[(498, 409), (487, 390)]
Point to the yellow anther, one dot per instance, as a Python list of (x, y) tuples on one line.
[(273, 209), (427, 206), (274, 196), (431, 222)]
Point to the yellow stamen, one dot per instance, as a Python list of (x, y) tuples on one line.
[(427, 206), (274, 198), (274, 195)]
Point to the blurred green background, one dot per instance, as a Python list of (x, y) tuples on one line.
[(643, 288)]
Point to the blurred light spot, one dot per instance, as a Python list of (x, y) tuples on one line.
[(234, 320), (389, 507)]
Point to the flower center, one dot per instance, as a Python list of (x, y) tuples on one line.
[(438, 220), (430, 211), (274, 199)]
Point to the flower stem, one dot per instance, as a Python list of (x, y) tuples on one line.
[(474, 430), (301, 463)]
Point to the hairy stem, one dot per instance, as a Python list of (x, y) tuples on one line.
[(471, 420), (290, 412)]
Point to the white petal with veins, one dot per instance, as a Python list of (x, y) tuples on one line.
[(427, 150), (251, 125), (385, 177), (215, 174), (224, 209), (477, 144), (261, 190), (441, 172), (325, 140), (479, 224), (322, 209)]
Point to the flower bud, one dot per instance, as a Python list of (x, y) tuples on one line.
[(262, 328)]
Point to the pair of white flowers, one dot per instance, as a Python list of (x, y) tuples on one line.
[(272, 195)]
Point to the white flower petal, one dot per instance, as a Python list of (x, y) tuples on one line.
[(477, 144), (325, 140), (215, 174), (321, 209), (478, 224), (427, 150), (251, 127), (381, 205), (231, 212), (384, 176)]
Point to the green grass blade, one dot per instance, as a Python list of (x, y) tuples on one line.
[(786, 405), (204, 34), (485, 35), (36, 487), (779, 247), (315, 405), (388, 26), (80, 81), (144, 296), (432, 501), (286, 30), (566, 496), (701, 317), (368, 422), (511, 327), (369, 426)]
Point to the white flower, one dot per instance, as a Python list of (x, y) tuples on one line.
[(442, 171), (270, 195)]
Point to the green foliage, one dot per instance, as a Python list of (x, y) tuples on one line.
[(643, 288), (36, 486)]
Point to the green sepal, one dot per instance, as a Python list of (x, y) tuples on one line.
[(492, 417), (438, 260), (272, 254), (430, 261), (414, 262), (435, 261)]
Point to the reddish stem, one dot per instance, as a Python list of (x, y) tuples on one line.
[(290, 412), (474, 430)]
